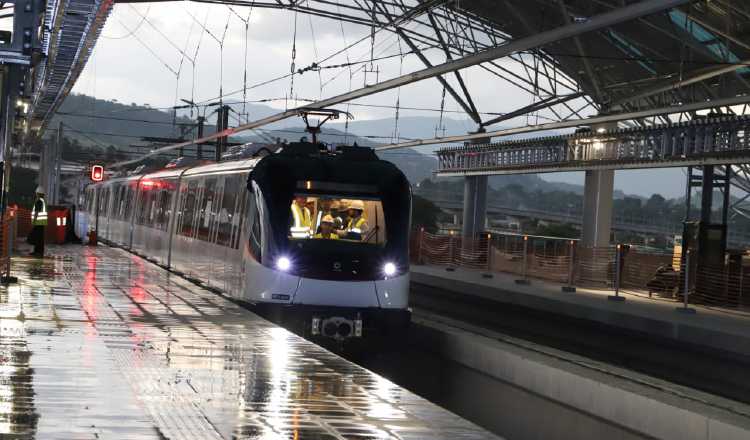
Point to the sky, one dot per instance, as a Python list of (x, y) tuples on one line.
[(162, 53)]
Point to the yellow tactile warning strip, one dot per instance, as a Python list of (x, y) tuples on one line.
[(97, 343)]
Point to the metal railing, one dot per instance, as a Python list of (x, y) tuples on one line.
[(718, 140), (648, 273)]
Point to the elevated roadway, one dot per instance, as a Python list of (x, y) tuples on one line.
[(640, 226), (721, 140)]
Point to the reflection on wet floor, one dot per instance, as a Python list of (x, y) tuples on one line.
[(96, 343)]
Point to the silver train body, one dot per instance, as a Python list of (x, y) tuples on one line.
[(225, 225)]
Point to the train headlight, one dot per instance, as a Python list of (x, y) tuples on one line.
[(389, 269), (283, 264)]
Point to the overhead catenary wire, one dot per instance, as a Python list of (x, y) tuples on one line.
[(135, 29)]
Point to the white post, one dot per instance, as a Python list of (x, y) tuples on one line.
[(618, 260), (685, 308)]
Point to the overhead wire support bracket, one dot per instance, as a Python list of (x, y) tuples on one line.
[(604, 20), (326, 114)]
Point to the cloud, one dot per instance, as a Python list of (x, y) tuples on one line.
[(142, 67)]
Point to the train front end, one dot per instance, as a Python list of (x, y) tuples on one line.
[(328, 242)]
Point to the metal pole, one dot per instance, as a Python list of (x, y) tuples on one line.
[(450, 253), (570, 287), (58, 160), (419, 247), (618, 259), (686, 292), (525, 279), (742, 275), (199, 153), (488, 274)]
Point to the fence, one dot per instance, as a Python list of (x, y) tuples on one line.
[(644, 272), (8, 242)]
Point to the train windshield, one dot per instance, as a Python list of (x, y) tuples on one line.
[(322, 217)]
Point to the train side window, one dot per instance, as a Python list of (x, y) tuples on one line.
[(226, 211), (208, 208), (239, 219), (188, 212), (253, 216), (146, 204), (129, 196), (141, 207), (161, 210), (104, 203)]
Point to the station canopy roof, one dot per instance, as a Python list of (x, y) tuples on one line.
[(705, 44)]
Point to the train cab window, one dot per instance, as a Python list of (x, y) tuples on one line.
[(319, 217)]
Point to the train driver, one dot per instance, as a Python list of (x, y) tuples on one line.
[(329, 207), (356, 226), (301, 219), (326, 229)]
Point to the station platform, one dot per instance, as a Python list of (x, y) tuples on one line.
[(712, 329), (96, 343)]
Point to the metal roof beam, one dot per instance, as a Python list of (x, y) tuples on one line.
[(620, 15), (582, 53), (468, 106), (547, 102), (701, 75), (574, 123)]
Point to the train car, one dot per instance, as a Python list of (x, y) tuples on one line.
[(231, 226)]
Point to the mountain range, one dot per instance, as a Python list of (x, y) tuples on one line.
[(99, 124)]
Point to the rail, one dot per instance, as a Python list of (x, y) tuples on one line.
[(718, 140)]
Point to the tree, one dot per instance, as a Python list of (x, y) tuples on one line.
[(563, 230), (424, 214)]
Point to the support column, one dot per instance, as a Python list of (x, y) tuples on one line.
[(597, 208), (475, 206)]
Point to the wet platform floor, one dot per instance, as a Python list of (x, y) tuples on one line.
[(96, 343)]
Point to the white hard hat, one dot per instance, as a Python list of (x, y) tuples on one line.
[(357, 204), (39, 190)]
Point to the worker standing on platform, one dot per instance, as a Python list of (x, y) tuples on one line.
[(39, 222)]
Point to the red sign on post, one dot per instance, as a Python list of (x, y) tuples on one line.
[(97, 173)]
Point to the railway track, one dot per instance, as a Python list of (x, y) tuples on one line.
[(712, 371)]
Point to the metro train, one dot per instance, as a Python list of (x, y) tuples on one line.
[(228, 226)]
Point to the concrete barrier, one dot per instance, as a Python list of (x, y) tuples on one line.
[(636, 402)]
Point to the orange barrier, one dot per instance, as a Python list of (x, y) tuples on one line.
[(57, 225), (23, 216), (8, 234), (643, 272)]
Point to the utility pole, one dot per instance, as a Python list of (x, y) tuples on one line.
[(201, 122), (222, 123), (58, 162)]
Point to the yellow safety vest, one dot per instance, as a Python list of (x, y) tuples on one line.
[(357, 226), (302, 222), (41, 216), (331, 236)]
